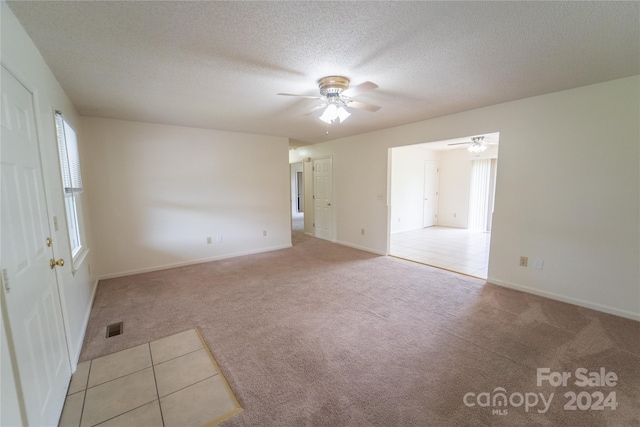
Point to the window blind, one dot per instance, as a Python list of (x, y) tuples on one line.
[(69, 156), (479, 194)]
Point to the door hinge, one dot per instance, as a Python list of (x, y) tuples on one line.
[(5, 280)]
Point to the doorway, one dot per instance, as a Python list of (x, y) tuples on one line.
[(455, 233), (299, 191), (297, 197)]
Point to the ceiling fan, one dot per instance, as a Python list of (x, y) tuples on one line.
[(336, 95), (478, 144)]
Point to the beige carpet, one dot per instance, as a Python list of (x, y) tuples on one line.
[(321, 334)]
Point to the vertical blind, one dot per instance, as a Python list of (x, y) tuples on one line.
[(479, 194), (69, 157)]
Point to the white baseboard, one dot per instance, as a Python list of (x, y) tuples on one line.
[(575, 301), (192, 262), (458, 226), (362, 248), (85, 323)]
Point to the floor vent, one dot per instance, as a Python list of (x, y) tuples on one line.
[(114, 329)]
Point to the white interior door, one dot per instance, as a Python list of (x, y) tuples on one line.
[(430, 210), (322, 199), (29, 284)]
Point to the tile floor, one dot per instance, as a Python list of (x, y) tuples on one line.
[(297, 221), (173, 381), (454, 249)]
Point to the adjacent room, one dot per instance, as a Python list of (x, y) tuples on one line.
[(442, 202), (319, 213)]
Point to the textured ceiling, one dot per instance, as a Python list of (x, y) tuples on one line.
[(219, 65)]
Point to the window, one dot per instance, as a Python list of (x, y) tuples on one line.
[(71, 182)]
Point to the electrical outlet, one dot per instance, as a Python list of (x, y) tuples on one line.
[(362, 232), (524, 261), (219, 238), (209, 241), (455, 215), (264, 233)]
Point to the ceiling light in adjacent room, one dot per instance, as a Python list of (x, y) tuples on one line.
[(477, 145)]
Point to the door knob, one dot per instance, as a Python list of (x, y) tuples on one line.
[(53, 263), (328, 203)]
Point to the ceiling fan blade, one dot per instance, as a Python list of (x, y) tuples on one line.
[(313, 110), (302, 96), (358, 89), (460, 143), (363, 106)]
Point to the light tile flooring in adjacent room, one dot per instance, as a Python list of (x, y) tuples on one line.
[(173, 381), (454, 249)]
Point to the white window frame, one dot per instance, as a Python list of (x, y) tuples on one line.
[(68, 156)]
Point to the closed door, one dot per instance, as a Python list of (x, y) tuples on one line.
[(430, 205), (322, 199), (29, 283)]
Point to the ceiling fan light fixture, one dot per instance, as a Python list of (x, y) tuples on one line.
[(343, 114), (336, 95), (330, 114), (477, 148), (477, 145), (333, 113)]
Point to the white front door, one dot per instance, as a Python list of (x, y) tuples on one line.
[(323, 199), (29, 283), (430, 210)]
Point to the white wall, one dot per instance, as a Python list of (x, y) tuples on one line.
[(455, 175), (568, 190), (23, 59), (156, 192), (407, 186)]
